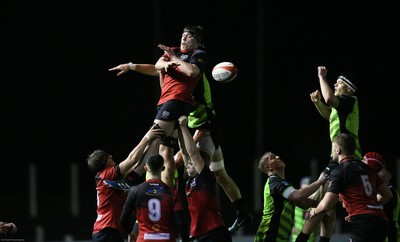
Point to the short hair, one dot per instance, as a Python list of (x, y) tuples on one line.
[(196, 31), (346, 142), (155, 163), (264, 158), (97, 160)]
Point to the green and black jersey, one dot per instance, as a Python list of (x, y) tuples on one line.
[(204, 111), (345, 119), (278, 214)]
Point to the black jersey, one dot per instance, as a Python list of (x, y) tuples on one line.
[(392, 210), (356, 186), (151, 203), (202, 202), (278, 214)]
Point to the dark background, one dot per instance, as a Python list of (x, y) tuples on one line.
[(59, 101)]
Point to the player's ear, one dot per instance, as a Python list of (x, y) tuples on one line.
[(145, 168)]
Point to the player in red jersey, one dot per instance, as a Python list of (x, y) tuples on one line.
[(206, 221), (180, 68), (151, 203), (107, 227), (357, 187)]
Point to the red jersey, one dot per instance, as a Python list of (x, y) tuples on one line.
[(176, 84), (178, 199), (202, 202), (356, 185), (151, 203), (109, 201)]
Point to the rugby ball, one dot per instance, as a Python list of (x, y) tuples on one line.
[(224, 72)]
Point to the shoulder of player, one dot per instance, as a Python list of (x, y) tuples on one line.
[(347, 98), (199, 51)]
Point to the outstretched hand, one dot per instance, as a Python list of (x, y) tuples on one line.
[(155, 132), (323, 177), (169, 62), (167, 50), (123, 68), (312, 214), (183, 120)]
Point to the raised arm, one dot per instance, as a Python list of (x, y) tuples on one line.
[(326, 90), (322, 108), (300, 196), (137, 153), (187, 144), (178, 157), (146, 69)]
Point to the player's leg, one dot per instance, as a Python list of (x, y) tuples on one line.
[(135, 175), (209, 153), (243, 216), (311, 225), (224, 180), (167, 148), (328, 225)]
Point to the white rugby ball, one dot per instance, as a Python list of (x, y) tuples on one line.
[(224, 72)]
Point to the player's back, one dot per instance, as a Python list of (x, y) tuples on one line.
[(154, 208)]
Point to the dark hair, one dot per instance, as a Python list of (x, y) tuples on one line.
[(97, 160), (197, 32), (346, 142), (155, 163)]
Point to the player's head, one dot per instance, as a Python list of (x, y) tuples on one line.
[(97, 160), (192, 37), (345, 85), (343, 144), (375, 161), (191, 170), (155, 164), (270, 163)]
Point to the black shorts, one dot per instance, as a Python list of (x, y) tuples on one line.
[(220, 234), (108, 235), (368, 228), (173, 109)]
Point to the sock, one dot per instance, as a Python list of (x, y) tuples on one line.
[(239, 206), (302, 237)]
